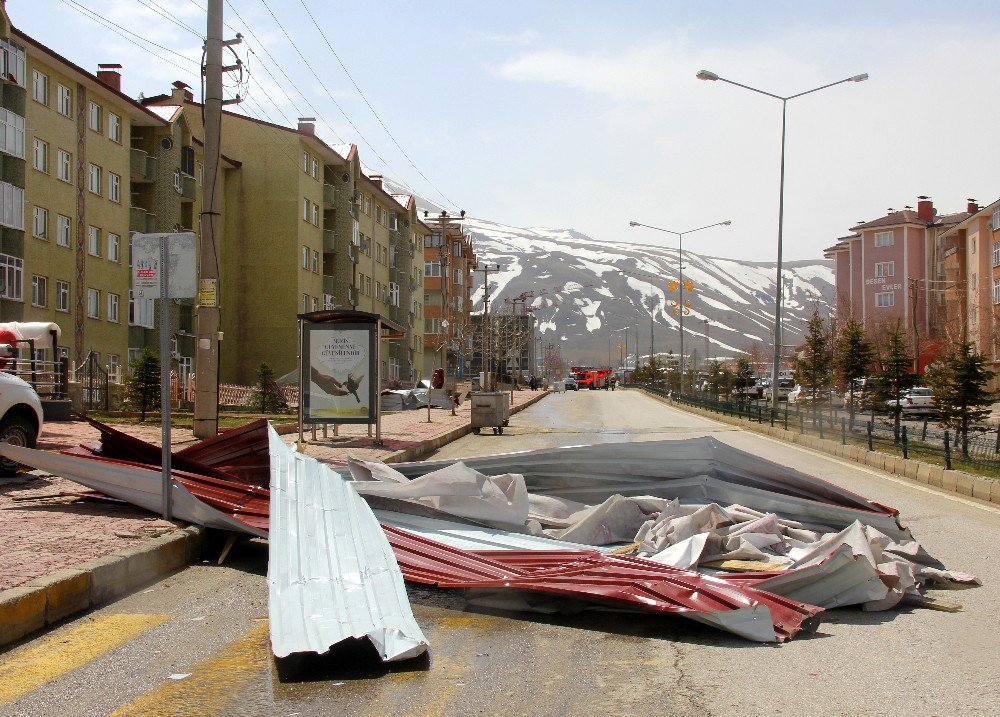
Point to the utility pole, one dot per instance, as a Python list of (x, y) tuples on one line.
[(708, 343), (913, 314), (206, 398), (487, 334)]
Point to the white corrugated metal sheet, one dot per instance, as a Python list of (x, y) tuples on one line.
[(331, 572)]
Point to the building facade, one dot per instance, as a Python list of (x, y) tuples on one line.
[(449, 261)]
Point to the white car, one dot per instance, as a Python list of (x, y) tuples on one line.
[(21, 420)]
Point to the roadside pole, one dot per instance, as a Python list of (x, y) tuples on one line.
[(167, 481)]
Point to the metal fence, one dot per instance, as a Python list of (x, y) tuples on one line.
[(977, 452)]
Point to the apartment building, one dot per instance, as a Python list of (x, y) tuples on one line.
[(66, 190), (449, 261)]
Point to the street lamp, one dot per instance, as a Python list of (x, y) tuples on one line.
[(712, 77), (680, 269)]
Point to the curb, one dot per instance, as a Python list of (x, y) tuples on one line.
[(51, 598), (432, 444), (959, 482)]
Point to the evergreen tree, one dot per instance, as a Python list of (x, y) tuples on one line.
[(142, 384), (894, 375), (853, 356), (715, 377), (744, 376), (266, 396), (815, 367), (959, 383)]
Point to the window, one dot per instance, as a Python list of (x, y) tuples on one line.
[(140, 311), (64, 166), (457, 276), (973, 243), (39, 291), (113, 300), (885, 299), (393, 293), (62, 296), (972, 282), (95, 116), (93, 303), (432, 326), (883, 239), (368, 205), (305, 257), (305, 162), (64, 100), (883, 268), (114, 187), (305, 210), (315, 168), (201, 174), (996, 253), (995, 221), (315, 304), (62, 230), (11, 206), (12, 62), (114, 247), (40, 222), (315, 214), (996, 291), (93, 241), (187, 160), (40, 160), (432, 240), (95, 179), (378, 290), (394, 369), (368, 286), (315, 261), (39, 87), (11, 133), (432, 268), (114, 127), (114, 368), (305, 303), (11, 277), (178, 187)]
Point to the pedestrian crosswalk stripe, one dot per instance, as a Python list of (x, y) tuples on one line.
[(29, 667), (213, 682)]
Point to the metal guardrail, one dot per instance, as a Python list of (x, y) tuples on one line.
[(977, 452)]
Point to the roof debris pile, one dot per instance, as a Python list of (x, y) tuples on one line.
[(692, 527)]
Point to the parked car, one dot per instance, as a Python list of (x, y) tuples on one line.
[(915, 401), (785, 385), (793, 395), (21, 420), (571, 384)]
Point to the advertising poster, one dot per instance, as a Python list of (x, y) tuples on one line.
[(339, 365)]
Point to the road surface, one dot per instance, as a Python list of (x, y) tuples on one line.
[(196, 642)]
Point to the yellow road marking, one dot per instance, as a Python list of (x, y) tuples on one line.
[(65, 650), (213, 681)]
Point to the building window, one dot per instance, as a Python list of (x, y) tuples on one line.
[(368, 286), (315, 214), (114, 187), (93, 303), (114, 128), (885, 299), (62, 230), (305, 210), (315, 261), (95, 179), (378, 291), (114, 248), (114, 368), (996, 253), (40, 160), (972, 282), (368, 205), (883, 238), (201, 174), (95, 116), (39, 87), (113, 300), (40, 222), (12, 276), (305, 162), (178, 187), (305, 303), (305, 257), (315, 168), (996, 291), (11, 133), (995, 221), (432, 268), (973, 243), (39, 291), (883, 268), (432, 326), (457, 277), (12, 62), (64, 166), (140, 311), (393, 293), (315, 304), (64, 100), (11, 206), (93, 241), (62, 296), (432, 240)]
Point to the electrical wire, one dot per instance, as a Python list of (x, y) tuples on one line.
[(166, 15)]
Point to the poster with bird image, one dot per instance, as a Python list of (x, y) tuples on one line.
[(339, 367)]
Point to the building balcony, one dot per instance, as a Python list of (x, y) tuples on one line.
[(328, 284), (139, 220), (329, 195), (187, 188), (352, 253), (329, 240), (142, 167)]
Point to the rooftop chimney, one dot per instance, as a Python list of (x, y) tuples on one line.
[(376, 179), (111, 75), (925, 208), (973, 206), (307, 125), (181, 93)]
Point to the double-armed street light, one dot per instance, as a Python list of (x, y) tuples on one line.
[(680, 270), (713, 77)]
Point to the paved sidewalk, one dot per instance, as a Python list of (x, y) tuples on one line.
[(45, 535)]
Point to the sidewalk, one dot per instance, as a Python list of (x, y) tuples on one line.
[(44, 536)]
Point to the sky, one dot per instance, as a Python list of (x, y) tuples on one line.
[(585, 115)]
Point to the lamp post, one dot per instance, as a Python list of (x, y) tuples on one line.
[(680, 269), (713, 77)]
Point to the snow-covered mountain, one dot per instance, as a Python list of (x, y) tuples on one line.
[(582, 289)]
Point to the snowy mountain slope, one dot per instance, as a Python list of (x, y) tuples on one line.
[(593, 288)]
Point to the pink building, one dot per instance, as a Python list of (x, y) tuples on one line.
[(883, 267)]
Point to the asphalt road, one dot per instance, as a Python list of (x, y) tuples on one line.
[(196, 643)]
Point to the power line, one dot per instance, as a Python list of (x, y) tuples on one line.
[(369, 104), (165, 14)]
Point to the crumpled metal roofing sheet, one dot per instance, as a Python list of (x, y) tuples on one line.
[(331, 571), (622, 581)]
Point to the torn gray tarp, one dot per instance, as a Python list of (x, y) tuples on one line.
[(331, 572)]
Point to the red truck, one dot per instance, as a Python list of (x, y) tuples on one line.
[(591, 378)]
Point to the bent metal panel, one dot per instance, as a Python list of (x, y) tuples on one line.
[(339, 361)]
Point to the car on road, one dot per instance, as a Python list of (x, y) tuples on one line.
[(20, 417), (571, 384)]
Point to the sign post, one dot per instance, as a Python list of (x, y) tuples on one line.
[(164, 267)]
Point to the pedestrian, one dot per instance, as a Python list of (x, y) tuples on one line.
[(533, 383)]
